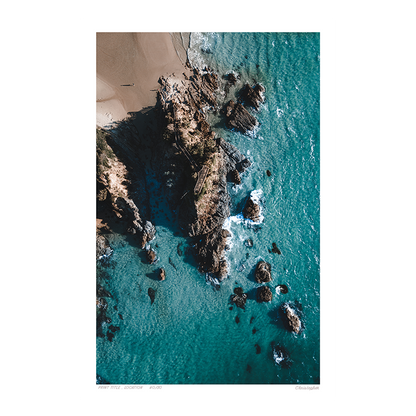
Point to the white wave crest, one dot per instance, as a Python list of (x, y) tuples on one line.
[(278, 357), (279, 112)]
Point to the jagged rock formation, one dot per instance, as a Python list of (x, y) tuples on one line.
[(102, 246), (263, 272), (291, 318), (238, 118), (184, 102), (129, 211), (251, 210), (239, 298), (252, 96), (112, 188), (151, 256), (162, 274), (264, 294)]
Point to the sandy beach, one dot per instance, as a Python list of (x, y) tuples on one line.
[(128, 68)]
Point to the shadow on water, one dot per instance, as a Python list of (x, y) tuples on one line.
[(276, 318), (157, 178)]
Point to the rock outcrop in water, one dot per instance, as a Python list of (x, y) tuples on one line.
[(129, 211), (239, 298), (252, 210), (102, 247), (263, 272), (238, 118), (264, 294), (252, 96), (209, 163), (291, 318)]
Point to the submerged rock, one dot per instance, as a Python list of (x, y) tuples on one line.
[(258, 349), (275, 249), (151, 292), (268, 172), (264, 294), (263, 273)]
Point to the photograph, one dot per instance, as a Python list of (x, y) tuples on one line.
[(208, 208)]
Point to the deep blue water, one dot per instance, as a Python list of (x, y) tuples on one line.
[(189, 335)]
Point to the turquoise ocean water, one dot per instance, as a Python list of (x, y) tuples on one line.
[(189, 335)]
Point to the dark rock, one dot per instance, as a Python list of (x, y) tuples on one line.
[(258, 349), (210, 253), (179, 249), (102, 303), (251, 210), (283, 289), (263, 273), (225, 233), (114, 328), (162, 274), (238, 291), (268, 172), (151, 256), (237, 319), (254, 331), (252, 96), (233, 158), (240, 298), (115, 307), (110, 336), (102, 293), (248, 368), (264, 294), (238, 118), (231, 78), (291, 318), (120, 316), (235, 177), (251, 319), (275, 249), (230, 308), (151, 292)]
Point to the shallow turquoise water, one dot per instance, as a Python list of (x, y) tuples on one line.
[(189, 335)]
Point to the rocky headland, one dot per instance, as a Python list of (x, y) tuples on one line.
[(210, 162), (183, 151)]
